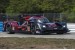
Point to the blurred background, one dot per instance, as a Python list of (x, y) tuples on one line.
[(62, 9)]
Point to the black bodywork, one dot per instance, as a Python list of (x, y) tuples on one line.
[(43, 26)]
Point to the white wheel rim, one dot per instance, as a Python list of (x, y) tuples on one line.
[(37, 31)]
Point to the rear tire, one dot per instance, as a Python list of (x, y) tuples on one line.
[(11, 32)]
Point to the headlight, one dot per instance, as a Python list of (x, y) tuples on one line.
[(44, 26), (64, 26)]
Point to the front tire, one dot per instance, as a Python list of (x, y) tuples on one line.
[(35, 31)]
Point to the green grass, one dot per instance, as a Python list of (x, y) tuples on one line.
[(36, 43)]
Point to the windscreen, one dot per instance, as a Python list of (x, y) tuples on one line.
[(43, 20)]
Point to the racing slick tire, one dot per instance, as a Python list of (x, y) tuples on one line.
[(35, 31), (9, 30)]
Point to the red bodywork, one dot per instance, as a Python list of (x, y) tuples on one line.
[(15, 26), (26, 18), (24, 26)]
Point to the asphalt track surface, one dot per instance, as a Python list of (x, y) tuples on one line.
[(69, 35)]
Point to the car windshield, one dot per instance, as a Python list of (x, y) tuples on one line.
[(43, 20)]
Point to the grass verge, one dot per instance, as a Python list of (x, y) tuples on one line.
[(36, 43)]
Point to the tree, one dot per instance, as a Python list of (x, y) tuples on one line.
[(3, 5), (37, 6)]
